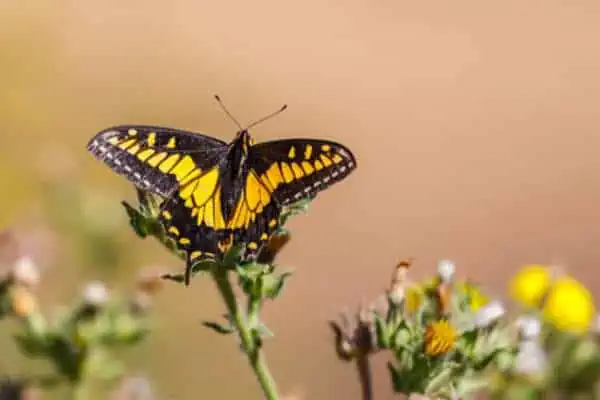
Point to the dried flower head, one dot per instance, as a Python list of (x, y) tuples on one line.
[(397, 290), (440, 337), (443, 297), (354, 336)]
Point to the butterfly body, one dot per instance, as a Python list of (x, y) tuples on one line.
[(217, 193)]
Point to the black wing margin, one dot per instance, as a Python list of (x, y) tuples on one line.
[(155, 158), (299, 168)]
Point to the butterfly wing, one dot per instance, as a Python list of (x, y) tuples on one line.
[(157, 159), (280, 173), (295, 169)]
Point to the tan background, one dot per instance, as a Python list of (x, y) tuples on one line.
[(475, 125)]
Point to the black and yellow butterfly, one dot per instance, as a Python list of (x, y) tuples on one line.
[(217, 193)]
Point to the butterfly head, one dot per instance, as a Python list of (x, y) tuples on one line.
[(243, 137)]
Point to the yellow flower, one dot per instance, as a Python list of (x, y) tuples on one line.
[(530, 285), (413, 299), (440, 338), (476, 296), (569, 306)]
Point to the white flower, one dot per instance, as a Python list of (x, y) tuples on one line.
[(26, 272), (529, 327), (531, 358), (489, 314), (446, 269), (95, 293)]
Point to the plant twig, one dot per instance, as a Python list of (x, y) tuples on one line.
[(363, 366), (249, 344)]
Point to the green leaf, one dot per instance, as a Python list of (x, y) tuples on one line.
[(401, 337), (215, 326), (468, 340), (381, 332), (136, 220), (440, 381), (273, 286), (399, 383), (29, 344)]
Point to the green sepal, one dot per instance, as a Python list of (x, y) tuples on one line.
[(382, 334), (272, 285)]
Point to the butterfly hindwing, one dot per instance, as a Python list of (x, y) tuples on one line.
[(154, 158), (255, 216), (294, 169), (196, 239)]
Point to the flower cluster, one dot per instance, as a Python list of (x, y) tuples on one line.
[(558, 337), (443, 334), (78, 341)]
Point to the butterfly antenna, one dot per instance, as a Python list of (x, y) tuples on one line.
[(227, 111), (267, 117)]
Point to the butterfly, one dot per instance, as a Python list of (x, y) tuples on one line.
[(217, 194)]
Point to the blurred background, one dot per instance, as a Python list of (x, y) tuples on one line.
[(476, 126)]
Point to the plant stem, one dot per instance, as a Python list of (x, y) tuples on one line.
[(363, 367), (248, 343)]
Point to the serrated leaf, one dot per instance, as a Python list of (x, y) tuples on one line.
[(215, 326)]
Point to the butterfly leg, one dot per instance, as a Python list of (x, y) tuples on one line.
[(188, 269)]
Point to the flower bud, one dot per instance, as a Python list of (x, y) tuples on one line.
[(95, 294), (446, 270)]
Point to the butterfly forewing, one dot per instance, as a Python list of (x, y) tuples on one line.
[(157, 159), (295, 169)]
